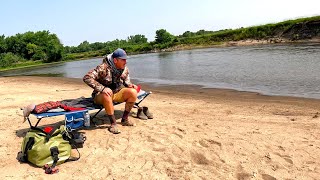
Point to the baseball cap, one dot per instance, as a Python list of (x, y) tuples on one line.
[(119, 53)]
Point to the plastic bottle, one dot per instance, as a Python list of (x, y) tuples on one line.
[(87, 119)]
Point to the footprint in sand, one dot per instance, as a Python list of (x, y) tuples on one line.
[(276, 160), (268, 177), (179, 132), (216, 148), (288, 159), (209, 142), (199, 158), (148, 165), (243, 176), (159, 149), (9, 99), (285, 157), (156, 145), (151, 139), (179, 135)]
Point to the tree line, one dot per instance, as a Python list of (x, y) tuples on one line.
[(44, 47), (30, 46)]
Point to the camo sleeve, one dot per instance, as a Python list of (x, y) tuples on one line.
[(94, 76), (125, 77)]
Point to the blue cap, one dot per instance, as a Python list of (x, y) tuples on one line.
[(119, 53)]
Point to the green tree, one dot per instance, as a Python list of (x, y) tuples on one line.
[(15, 44), (2, 44), (201, 32), (137, 39), (54, 50), (8, 59), (67, 49), (162, 36), (35, 52), (39, 55), (34, 46), (97, 46), (32, 49), (187, 34), (84, 47)]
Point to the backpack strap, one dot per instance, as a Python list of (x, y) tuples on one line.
[(72, 142), (23, 156), (53, 169)]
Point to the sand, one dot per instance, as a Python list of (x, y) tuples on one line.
[(196, 134)]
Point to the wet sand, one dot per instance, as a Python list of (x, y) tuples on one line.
[(196, 134)]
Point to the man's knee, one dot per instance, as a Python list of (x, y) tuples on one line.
[(131, 93), (102, 97)]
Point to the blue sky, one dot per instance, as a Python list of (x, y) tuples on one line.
[(75, 21)]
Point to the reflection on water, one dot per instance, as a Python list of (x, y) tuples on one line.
[(165, 55), (270, 69)]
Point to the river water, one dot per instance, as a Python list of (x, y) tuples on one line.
[(288, 70)]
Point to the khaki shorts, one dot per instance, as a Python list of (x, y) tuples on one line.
[(117, 97)]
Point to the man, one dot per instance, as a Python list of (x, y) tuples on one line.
[(106, 80)]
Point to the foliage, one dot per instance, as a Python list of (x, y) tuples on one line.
[(54, 51), (9, 59), (34, 46), (2, 44), (72, 56), (163, 37), (137, 39), (84, 47)]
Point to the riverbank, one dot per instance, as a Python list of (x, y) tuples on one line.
[(196, 134), (40, 64), (247, 42)]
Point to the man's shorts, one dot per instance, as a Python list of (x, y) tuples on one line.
[(117, 97)]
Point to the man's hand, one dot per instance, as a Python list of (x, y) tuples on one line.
[(107, 91), (132, 86), (135, 87)]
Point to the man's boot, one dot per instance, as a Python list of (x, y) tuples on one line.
[(140, 114), (147, 113)]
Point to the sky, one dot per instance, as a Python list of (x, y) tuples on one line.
[(75, 21)]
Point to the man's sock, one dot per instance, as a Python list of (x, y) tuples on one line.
[(125, 115), (112, 119)]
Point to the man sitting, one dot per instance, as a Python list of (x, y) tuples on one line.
[(106, 80)]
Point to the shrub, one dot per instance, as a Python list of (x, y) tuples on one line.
[(9, 59)]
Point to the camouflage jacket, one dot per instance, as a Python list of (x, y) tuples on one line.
[(101, 77)]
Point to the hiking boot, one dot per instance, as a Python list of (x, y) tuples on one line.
[(147, 113), (127, 122), (114, 129), (141, 115)]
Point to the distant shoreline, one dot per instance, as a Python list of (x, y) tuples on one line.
[(247, 42)]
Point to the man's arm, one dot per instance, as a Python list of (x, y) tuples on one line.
[(126, 79), (91, 78)]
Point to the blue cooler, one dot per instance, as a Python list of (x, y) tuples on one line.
[(76, 120)]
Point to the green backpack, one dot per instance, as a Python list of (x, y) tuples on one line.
[(44, 147)]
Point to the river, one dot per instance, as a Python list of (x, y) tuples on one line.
[(287, 70)]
